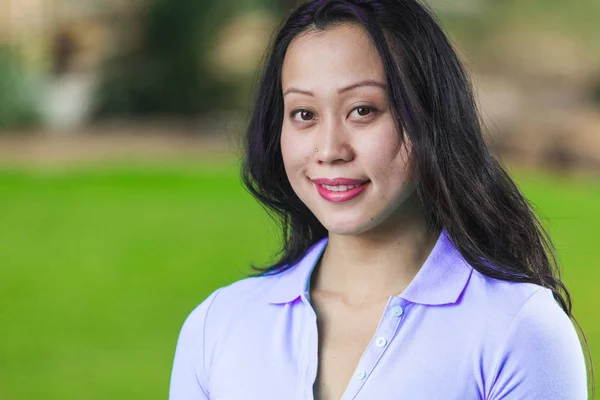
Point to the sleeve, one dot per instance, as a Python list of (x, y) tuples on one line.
[(189, 374), (542, 357)]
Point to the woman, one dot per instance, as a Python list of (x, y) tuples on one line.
[(412, 267)]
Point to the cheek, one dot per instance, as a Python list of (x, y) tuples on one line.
[(295, 151), (388, 154), (399, 157), (287, 149)]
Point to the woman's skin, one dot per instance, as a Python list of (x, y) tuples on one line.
[(335, 101)]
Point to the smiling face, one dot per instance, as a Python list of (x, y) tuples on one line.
[(336, 102)]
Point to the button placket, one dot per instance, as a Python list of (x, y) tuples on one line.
[(381, 341), (309, 357), (397, 311), (386, 330)]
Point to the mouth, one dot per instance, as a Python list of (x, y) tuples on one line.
[(339, 189)]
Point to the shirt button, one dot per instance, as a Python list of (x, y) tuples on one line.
[(397, 311), (380, 342), (361, 375)]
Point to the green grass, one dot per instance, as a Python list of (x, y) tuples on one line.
[(101, 265)]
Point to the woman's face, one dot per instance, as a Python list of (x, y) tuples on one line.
[(336, 102)]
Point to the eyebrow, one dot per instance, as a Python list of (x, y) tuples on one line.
[(367, 82)]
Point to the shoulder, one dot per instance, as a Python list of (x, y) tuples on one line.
[(525, 312), (540, 322), (490, 306), (542, 327), (530, 346), (536, 349), (211, 320), (503, 298), (238, 298)]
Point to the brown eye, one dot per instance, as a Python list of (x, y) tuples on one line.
[(303, 115), (363, 111), (306, 115)]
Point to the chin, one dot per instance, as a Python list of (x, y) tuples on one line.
[(346, 227)]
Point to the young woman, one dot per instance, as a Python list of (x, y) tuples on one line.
[(412, 267)]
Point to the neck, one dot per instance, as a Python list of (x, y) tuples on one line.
[(374, 265)]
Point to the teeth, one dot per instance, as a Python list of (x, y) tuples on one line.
[(339, 188)]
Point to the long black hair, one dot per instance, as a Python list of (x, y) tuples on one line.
[(461, 185)]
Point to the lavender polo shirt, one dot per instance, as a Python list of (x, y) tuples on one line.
[(453, 334)]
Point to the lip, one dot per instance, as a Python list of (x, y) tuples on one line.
[(338, 181), (339, 197)]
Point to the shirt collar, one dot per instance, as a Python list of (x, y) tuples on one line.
[(295, 281), (441, 279), (443, 276)]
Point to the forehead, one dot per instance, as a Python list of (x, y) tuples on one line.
[(332, 58)]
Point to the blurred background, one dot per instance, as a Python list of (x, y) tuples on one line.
[(120, 203)]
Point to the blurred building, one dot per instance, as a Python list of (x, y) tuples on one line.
[(65, 34), (536, 66), (61, 46)]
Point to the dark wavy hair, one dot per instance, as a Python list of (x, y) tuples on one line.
[(461, 185)]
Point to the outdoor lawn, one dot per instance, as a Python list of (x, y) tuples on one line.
[(101, 264)]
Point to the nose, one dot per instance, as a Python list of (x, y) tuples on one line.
[(333, 143)]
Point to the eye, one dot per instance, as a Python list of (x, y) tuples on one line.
[(363, 111), (302, 115)]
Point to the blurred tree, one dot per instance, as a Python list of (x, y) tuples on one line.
[(63, 48), (17, 105), (289, 4), (596, 92), (167, 71)]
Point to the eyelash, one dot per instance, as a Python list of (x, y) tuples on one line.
[(372, 110)]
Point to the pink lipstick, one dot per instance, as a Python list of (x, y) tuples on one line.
[(339, 189)]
